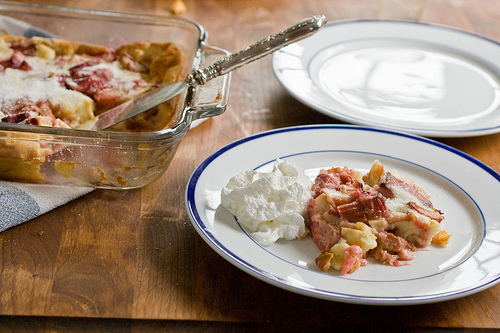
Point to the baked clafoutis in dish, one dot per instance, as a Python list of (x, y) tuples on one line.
[(380, 215), (60, 83), (53, 82)]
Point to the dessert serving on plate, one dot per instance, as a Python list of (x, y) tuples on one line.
[(380, 215), (351, 216)]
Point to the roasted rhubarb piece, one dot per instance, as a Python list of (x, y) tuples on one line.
[(379, 215)]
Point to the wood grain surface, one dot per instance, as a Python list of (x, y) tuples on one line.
[(130, 261)]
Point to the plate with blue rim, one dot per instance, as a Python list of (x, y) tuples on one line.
[(463, 188)]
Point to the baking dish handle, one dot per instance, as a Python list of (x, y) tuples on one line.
[(210, 99)]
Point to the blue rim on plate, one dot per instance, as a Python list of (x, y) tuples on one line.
[(424, 79), (457, 184)]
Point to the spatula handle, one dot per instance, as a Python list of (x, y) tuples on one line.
[(258, 50)]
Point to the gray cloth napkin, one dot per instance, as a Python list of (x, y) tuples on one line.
[(22, 202)]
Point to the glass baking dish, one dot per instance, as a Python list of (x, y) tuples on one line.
[(106, 159)]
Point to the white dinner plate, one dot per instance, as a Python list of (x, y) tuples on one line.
[(464, 189), (419, 78)]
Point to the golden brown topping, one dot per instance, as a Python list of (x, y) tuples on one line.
[(63, 47), (442, 238), (323, 261)]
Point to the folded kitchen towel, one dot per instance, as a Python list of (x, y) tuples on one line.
[(22, 202)]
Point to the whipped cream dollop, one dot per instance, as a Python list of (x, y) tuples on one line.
[(270, 205)]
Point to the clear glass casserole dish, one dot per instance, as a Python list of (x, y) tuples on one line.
[(106, 159)]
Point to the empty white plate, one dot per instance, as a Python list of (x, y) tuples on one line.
[(424, 79)]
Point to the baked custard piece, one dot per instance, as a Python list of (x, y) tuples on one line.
[(59, 83), (54, 82), (380, 215)]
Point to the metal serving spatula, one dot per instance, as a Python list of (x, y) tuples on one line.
[(159, 95)]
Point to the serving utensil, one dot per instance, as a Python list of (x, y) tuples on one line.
[(159, 95)]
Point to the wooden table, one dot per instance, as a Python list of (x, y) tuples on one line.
[(131, 261)]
